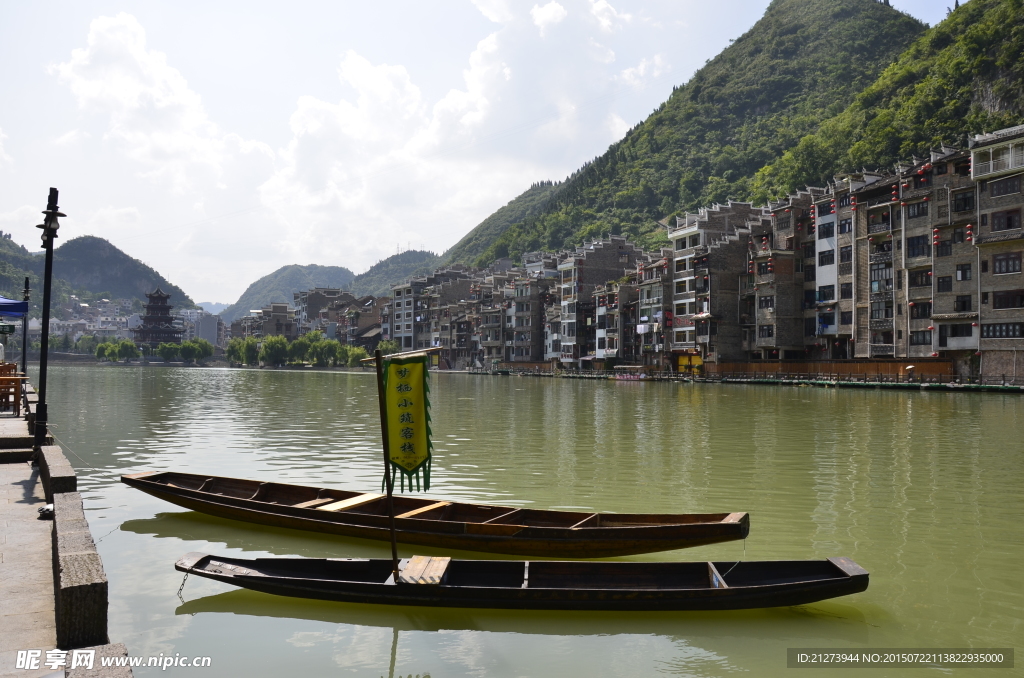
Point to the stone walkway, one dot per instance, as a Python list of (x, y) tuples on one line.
[(26, 569)]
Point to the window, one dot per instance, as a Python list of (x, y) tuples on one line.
[(984, 297), (766, 331), (962, 168), (881, 277), (958, 235), (944, 249), (963, 202), (1004, 221), (766, 302), (846, 317), (963, 271), (846, 291), (945, 283), (810, 327), (921, 338), (921, 309), (810, 228), (845, 254), (918, 209), (918, 246), (962, 303), (826, 293), (762, 268), (827, 258), (920, 278), (880, 310), (1008, 299), (809, 272), (1006, 263), (845, 225), (827, 230), (1004, 186), (958, 330), (940, 169), (808, 250), (827, 318), (923, 180), (1002, 331), (695, 240), (810, 298), (845, 201)]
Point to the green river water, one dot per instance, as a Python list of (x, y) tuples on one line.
[(924, 490)]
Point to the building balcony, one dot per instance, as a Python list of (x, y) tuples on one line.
[(765, 342), (880, 323), (882, 349), (879, 257), (881, 296), (880, 227)]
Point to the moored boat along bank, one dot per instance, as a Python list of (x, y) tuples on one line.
[(53, 589)]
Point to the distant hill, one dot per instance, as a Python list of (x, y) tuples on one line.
[(395, 269), (212, 307), (802, 63), (87, 265), (279, 286)]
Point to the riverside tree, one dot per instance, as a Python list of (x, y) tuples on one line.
[(355, 354), (388, 346), (274, 351), (235, 352), (126, 350), (167, 351), (251, 350), (298, 350)]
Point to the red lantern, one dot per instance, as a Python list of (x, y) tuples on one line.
[(931, 327), (974, 324), (911, 304), (935, 355)]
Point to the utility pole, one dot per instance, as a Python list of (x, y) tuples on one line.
[(49, 227), (24, 332)]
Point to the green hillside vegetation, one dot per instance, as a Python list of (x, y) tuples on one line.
[(525, 206), (379, 278), (88, 267), (282, 283), (802, 63), (964, 76)]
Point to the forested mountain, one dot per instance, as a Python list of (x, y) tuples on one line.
[(379, 278), (528, 204), (964, 76), (802, 63), (86, 265), (279, 286)]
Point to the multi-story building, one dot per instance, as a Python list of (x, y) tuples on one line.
[(655, 315), (616, 312), (311, 306)]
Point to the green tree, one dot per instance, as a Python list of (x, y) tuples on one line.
[(101, 351), (126, 350), (355, 354), (274, 351), (204, 349), (235, 351), (86, 344), (315, 336), (168, 351), (251, 350), (388, 346), (342, 356), (189, 351), (113, 352), (298, 350), (324, 352)]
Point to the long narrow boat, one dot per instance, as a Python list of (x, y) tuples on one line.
[(540, 585), (442, 524)]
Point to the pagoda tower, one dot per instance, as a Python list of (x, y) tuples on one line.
[(157, 325)]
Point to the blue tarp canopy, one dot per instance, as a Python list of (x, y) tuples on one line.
[(13, 308)]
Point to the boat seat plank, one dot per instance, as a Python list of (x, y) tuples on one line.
[(714, 578), (346, 504), (495, 519), (313, 503), (423, 509), (424, 570)]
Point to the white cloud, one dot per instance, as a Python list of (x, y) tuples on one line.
[(495, 10), (617, 126), (648, 69), (548, 15), (155, 119), (601, 53), (4, 158), (70, 138), (607, 17)]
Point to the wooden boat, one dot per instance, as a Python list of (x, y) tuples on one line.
[(540, 585), (442, 524)]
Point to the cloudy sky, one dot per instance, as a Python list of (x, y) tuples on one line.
[(219, 141)]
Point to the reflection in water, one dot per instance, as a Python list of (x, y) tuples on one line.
[(923, 489)]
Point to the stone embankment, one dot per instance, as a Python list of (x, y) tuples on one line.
[(53, 590)]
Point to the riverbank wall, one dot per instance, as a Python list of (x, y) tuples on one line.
[(53, 589)]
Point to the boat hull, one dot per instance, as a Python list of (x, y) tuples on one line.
[(613, 534), (566, 586)]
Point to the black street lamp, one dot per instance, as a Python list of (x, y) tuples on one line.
[(49, 227)]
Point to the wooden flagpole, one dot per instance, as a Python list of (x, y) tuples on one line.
[(382, 398)]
